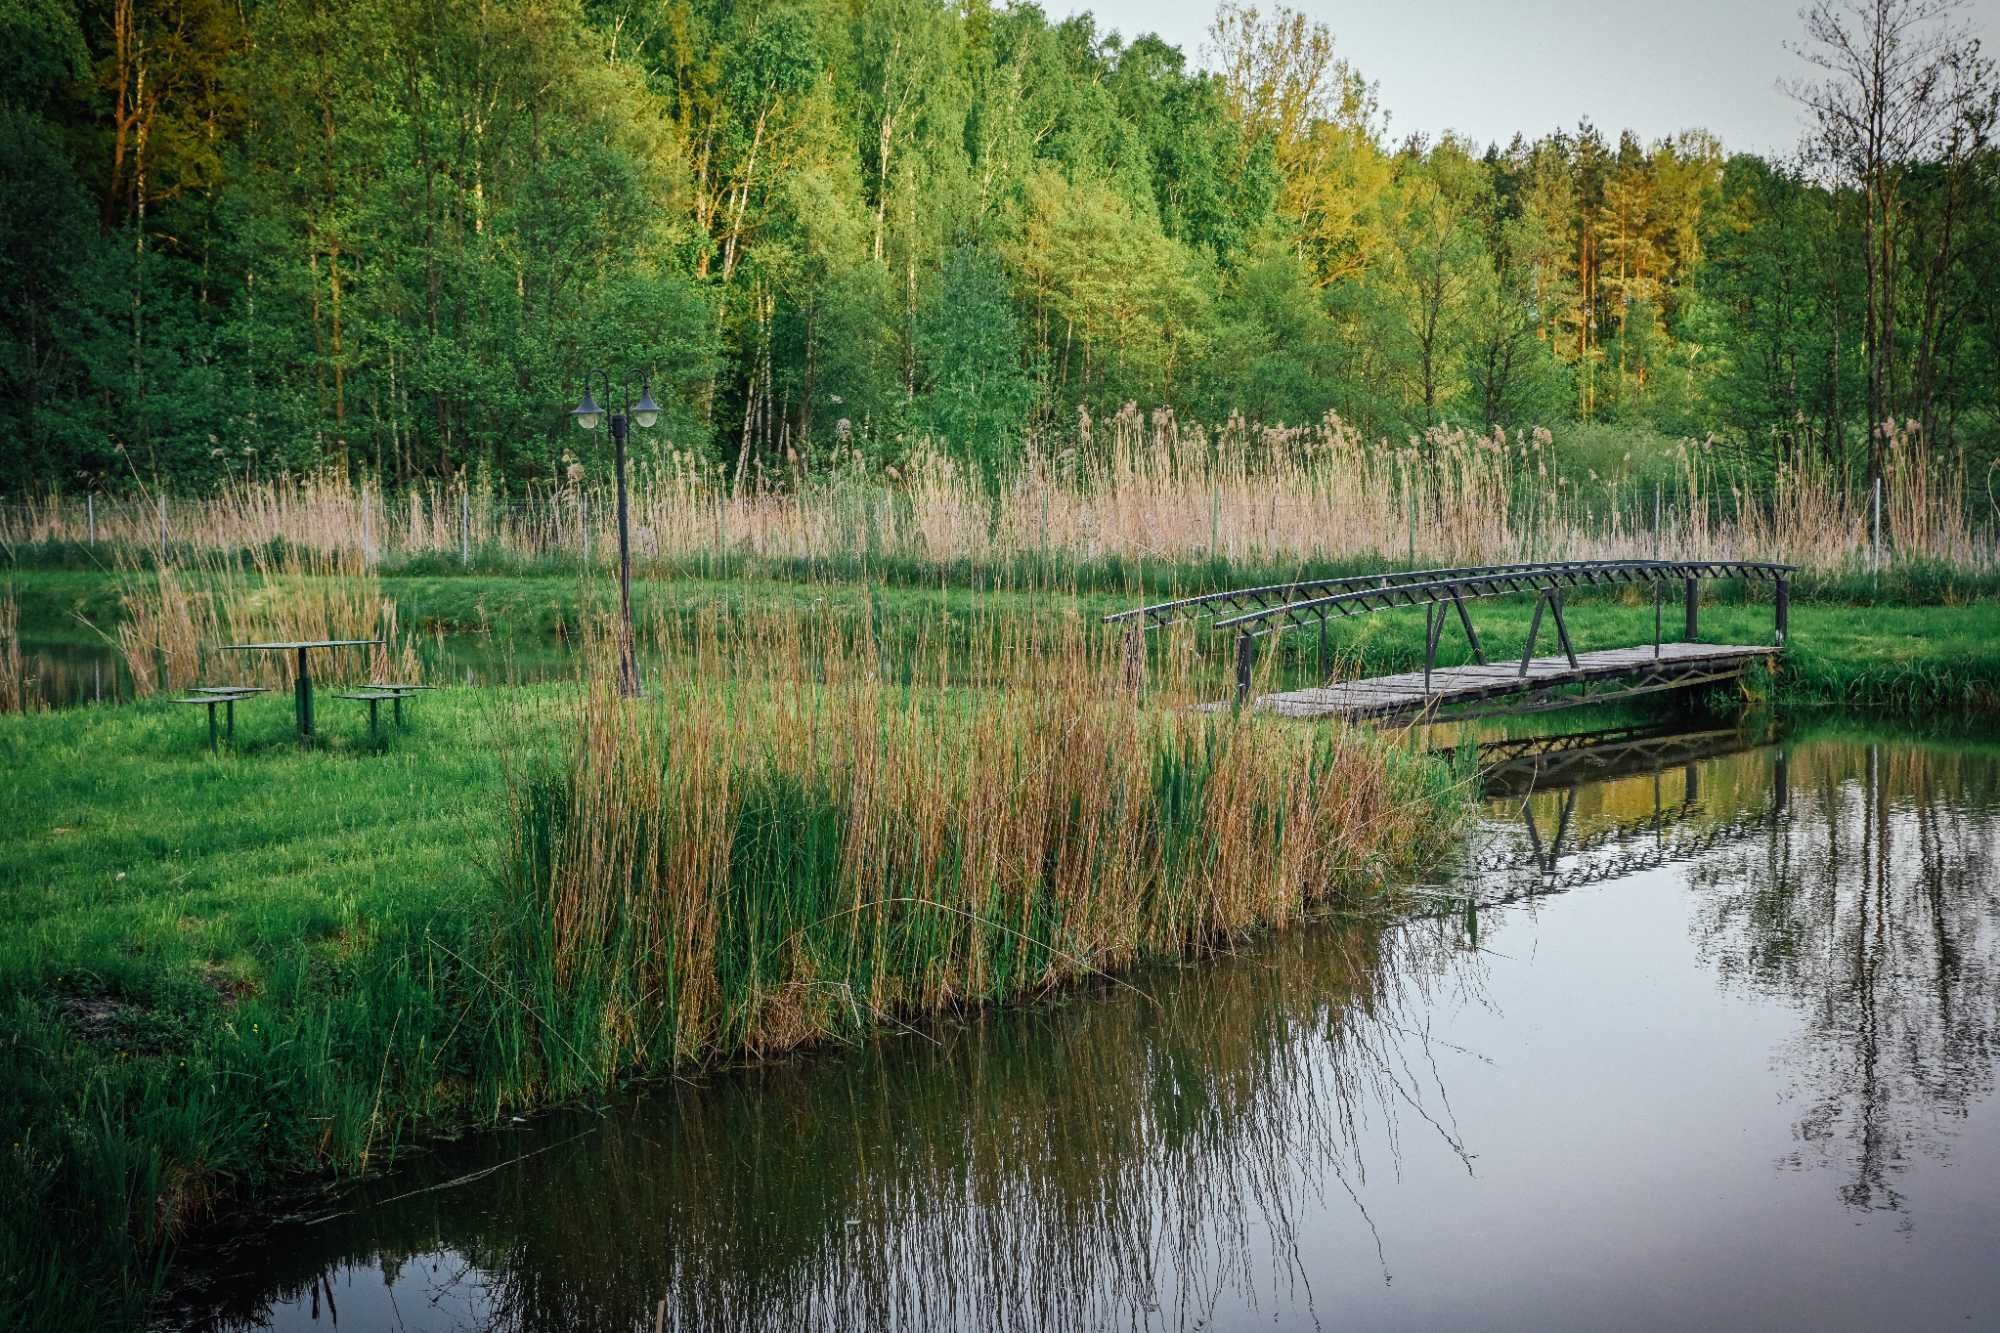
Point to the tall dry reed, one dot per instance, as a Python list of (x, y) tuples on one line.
[(746, 864), (180, 615), (1138, 486)]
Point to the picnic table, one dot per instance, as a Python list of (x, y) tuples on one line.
[(302, 683)]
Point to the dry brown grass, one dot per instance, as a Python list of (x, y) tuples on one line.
[(1137, 486), (180, 614)]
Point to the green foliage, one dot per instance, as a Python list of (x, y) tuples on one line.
[(45, 46), (390, 239), (43, 213), (1275, 355), (974, 392)]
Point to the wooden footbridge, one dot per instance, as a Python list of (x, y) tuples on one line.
[(1481, 688)]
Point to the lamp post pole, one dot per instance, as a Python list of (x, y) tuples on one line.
[(643, 413), (628, 666)]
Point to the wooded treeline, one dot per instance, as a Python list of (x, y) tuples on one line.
[(390, 235)]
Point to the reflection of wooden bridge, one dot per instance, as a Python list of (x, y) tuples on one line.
[(1565, 859), (1483, 687), (1517, 765)]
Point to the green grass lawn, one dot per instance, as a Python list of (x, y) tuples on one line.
[(126, 805), (206, 951)]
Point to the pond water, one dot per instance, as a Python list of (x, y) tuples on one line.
[(1702, 1033)]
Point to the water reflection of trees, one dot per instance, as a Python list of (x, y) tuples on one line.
[(1854, 882), (1872, 907), (1125, 1161)]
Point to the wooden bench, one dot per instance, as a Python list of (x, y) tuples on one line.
[(225, 696)]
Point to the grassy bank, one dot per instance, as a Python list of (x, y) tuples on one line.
[(235, 969)]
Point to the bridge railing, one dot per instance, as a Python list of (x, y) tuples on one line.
[(1271, 596), (1277, 608)]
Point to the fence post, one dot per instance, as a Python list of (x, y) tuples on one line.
[(1246, 658), (465, 522), (1693, 628), (90, 514), (1784, 608), (163, 528), (583, 521), (1046, 580), (1877, 544)]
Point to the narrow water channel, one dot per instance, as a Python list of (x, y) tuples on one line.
[(1703, 1033)]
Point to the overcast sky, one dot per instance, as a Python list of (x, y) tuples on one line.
[(1487, 68)]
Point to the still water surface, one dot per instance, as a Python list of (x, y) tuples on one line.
[(1714, 1045)]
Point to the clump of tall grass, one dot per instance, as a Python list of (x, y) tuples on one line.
[(181, 612), (745, 865)]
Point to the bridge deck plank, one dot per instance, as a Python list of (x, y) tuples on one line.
[(1405, 692)]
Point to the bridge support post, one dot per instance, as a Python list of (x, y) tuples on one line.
[(1784, 609), (1471, 634), (1534, 630), (1433, 631), (1246, 658), (1551, 600), (1562, 629), (1693, 630)]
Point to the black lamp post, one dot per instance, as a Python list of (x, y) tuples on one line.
[(642, 413)]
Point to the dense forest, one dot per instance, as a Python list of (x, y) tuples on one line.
[(254, 236)]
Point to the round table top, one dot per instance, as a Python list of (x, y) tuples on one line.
[(309, 643)]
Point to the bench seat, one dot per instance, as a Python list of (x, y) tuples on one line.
[(224, 696), (373, 695)]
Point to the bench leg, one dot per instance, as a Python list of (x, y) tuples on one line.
[(374, 713), (397, 704), (229, 711), (211, 728)]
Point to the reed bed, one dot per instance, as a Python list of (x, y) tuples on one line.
[(753, 866), (1138, 487), (179, 614)]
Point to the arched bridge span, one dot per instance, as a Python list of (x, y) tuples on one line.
[(1251, 614)]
